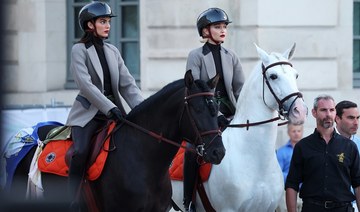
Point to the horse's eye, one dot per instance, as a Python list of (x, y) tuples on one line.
[(297, 76), (212, 106), (273, 76), (209, 101)]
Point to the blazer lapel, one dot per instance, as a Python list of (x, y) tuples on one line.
[(209, 65), (96, 62)]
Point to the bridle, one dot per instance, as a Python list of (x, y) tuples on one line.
[(199, 142), (282, 112)]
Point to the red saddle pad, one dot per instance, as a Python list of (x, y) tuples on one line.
[(177, 167), (52, 158)]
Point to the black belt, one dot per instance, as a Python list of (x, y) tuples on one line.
[(327, 204)]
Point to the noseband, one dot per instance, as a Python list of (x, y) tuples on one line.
[(199, 142), (282, 112)]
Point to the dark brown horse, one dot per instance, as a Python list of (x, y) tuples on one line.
[(135, 176)]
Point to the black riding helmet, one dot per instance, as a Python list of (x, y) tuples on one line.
[(92, 11), (211, 16)]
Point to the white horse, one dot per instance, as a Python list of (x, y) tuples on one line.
[(249, 177)]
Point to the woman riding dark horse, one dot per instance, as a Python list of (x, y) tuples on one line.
[(101, 76), (135, 176)]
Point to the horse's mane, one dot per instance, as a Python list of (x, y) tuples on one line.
[(251, 80), (165, 93), (162, 94)]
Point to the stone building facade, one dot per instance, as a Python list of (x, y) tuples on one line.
[(36, 45)]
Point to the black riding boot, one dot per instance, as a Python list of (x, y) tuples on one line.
[(74, 187), (82, 143), (190, 175)]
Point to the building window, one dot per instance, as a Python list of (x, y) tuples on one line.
[(356, 45), (129, 35), (124, 33)]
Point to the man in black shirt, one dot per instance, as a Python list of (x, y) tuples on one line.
[(324, 166)]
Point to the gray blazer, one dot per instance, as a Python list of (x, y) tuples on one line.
[(202, 65), (88, 75)]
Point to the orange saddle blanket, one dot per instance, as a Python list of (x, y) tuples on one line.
[(177, 166), (52, 158)]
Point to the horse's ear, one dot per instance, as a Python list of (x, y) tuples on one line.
[(213, 81), (189, 79), (262, 54), (290, 52)]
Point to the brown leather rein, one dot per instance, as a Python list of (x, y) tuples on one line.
[(282, 112), (248, 124), (200, 145)]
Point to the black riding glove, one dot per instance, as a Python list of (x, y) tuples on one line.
[(222, 122), (116, 114)]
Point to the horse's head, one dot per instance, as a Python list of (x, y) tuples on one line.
[(199, 119), (280, 89)]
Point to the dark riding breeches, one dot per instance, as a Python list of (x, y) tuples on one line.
[(81, 137)]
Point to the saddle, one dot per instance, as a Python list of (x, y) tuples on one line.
[(58, 150)]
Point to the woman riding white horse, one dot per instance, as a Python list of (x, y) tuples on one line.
[(249, 177)]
